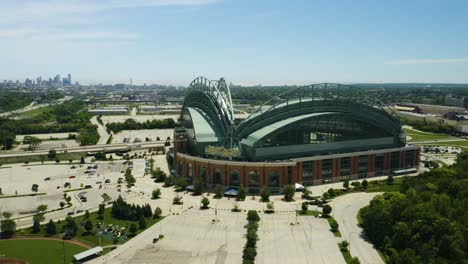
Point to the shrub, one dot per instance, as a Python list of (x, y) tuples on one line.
[(241, 193), (177, 200), (205, 202), (156, 193), (265, 194), (288, 192), (252, 216), (157, 213), (326, 209), (218, 192)]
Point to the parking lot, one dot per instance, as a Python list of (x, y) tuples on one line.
[(53, 179)]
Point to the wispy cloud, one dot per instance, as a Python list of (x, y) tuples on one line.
[(12, 10), (426, 61)]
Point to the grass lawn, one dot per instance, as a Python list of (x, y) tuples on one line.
[(382, 186), (35, 112), (39, 251), (92, 238), (422, 136), (458, 143)]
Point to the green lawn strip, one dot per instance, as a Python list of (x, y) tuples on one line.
[(94, 239), (308, 213), (41, 157), (39, 251), (22, 195), (419, 136), (337, 232), (346, 255), (458, 143), (72, 190), (383, 186)]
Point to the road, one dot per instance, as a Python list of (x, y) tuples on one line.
[(103, 135), (345, 209), (93, 148), (32, 106)]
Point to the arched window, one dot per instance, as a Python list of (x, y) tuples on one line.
[(181, 168), (202, 173), (273, 179), (254, 179), (189, 170), (235, 178), (217, 176)]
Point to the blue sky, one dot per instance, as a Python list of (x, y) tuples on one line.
[(245, 41)]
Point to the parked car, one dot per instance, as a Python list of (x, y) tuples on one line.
[(88, 186), (72, 177), (71, 213), (107, 181), (73, 167), (67, 184), (79, 211), (47, 179)]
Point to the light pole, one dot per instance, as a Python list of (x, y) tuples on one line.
[(226, 237), (310, 237)]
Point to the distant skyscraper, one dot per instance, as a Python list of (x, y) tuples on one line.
[(69, 79)]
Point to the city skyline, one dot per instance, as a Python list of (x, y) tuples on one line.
[(265, 42)]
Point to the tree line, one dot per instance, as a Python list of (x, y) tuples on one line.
[(131, 124), (124, 211), (427, 221)]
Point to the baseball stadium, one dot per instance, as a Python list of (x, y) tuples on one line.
[(309, 135)]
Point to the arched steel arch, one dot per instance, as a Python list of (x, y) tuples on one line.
[(213, 97), (321, 97)]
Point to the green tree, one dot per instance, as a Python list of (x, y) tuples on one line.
[(241, 193), (156, 193), (346, 184), (33, 142), (7, 139), (157, 213), (52, 154), (390, 180), (36, 228), (181, 182), (133, 229), (288, 192), (35, 187), (82, 160), (87, 215), (51, 228), (205, 202), (198, 187), (70, 226), (265, 194), (326, 210), (8, 227), (252, 216), (218, 191), (88, 226), (177, 200), (365, 183), (304, 207), (142, 223)]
